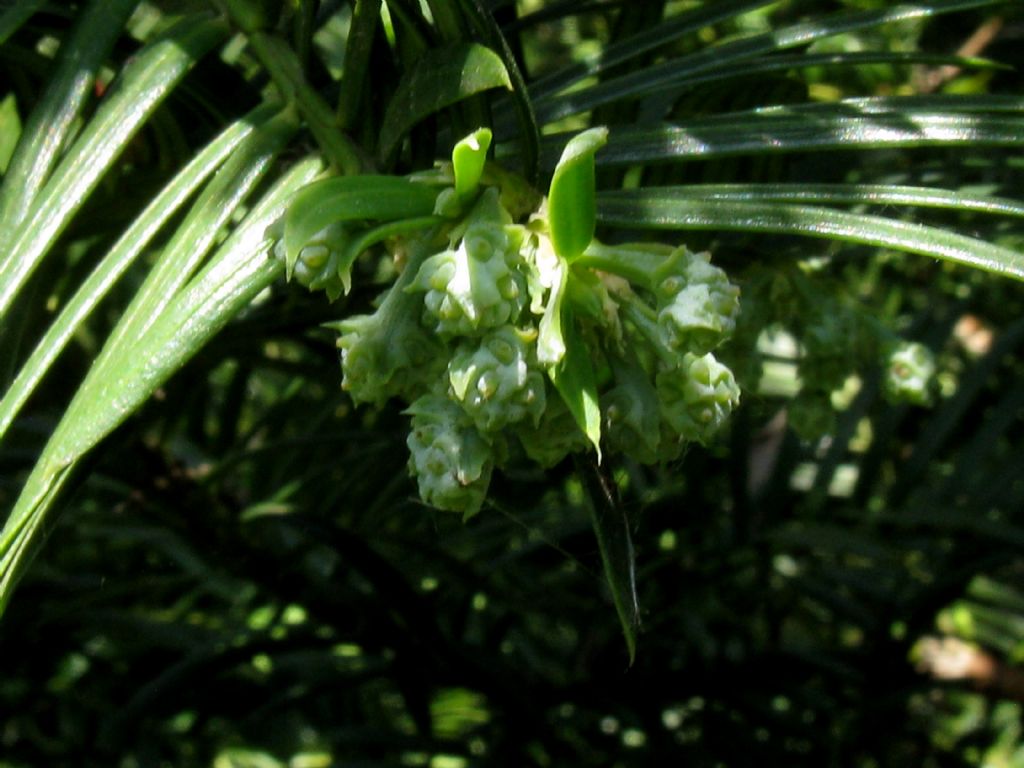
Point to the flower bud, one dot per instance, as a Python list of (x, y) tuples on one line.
[(450, 460), (478, 284), (697, 397), (496, 382), (697, 305), (387, 354), (909, 373)]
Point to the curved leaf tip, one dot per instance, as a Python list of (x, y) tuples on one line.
[(572, 211)]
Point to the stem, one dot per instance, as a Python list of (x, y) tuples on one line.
[(646, 321), (634, 263), (357, 56), (280, 61)]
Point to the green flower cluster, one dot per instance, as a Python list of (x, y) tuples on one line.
[(505, 348), (668, 388)]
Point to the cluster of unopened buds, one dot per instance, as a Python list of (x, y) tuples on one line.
[(510, 332)]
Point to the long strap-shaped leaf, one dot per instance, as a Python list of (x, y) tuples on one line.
[(78, 59), (830, 194), (655, 210), (644, 42), (675, 76), (789, 37), (197, 233), (234, 276), (776, 133), (142, 86), (118, 259)]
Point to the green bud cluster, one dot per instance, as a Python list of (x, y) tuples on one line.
[(506, 343), (836, 339)]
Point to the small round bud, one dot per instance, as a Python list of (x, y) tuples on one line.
[(909, 373)]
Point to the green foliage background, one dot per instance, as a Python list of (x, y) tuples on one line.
[(237, 571)]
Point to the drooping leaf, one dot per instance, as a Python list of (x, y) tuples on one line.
[(441, 78), (51, 120), (575, 380), (127, 374), (352, 198)]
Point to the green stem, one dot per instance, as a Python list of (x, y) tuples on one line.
[(280, 61), (357, 56), (634, 263), (646, 321), (305, 26)]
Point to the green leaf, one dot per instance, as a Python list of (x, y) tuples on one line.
[(571, 207), (10, 130), (130, 245), (677, 75), (52, 119), (363, 240), (637, 45), (564, 353), (143, 84), (653, 209), (795, 130), (491, 33), (193, 239), (352, 198), (831, 194), (716, 57), (574, 378), (440, 78), (127, 375), (286, 70), (468, 159)]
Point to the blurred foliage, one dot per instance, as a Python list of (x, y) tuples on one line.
[(243, 577)]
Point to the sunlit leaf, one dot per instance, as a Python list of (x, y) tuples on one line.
[(441, 78)]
